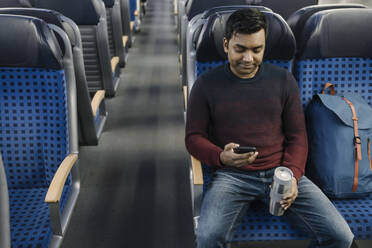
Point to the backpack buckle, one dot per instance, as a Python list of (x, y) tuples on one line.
[(357, 140)]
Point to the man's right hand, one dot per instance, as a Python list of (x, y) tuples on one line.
[(229, 158)]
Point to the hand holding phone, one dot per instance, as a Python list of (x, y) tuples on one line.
[(237, 156), (244, 149)]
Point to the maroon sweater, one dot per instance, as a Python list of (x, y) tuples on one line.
[(264, 111)]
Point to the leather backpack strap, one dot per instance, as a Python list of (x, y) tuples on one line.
[(330, 86), (357, 144)]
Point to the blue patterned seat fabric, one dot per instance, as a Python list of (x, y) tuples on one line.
[(33, 141)]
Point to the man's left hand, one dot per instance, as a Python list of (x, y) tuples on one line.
[(287, 201)]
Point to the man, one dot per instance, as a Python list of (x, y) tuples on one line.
[(250, 103)]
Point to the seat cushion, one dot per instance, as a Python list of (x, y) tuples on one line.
[(29, 217), (260, 225)]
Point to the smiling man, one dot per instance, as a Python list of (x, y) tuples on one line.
[(250, 103)]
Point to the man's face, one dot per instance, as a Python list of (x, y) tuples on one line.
[(245, 53)]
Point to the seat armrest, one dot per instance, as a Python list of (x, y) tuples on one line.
[(197, 172), (56, 186), (97, 99), (114, 63), (136, 13), (185, 96), (125, 40)]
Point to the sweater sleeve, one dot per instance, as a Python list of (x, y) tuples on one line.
[(295, 147), (197, 123)]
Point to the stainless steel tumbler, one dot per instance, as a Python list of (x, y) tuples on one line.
[(282, 181)]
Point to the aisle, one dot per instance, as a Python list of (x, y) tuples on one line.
[(135, 189)]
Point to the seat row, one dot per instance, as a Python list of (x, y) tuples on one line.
[(59, 60), (319, 49), (101, 32)]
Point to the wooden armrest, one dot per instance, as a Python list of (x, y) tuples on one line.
[(131, 26), (114, 63), (185, 96), (197, 172), (125, 40), (176, 12), (97, 99), (56, 186), (136, 13)]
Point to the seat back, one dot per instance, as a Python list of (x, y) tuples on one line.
[(125, 19), (192, 35), (115, 30), (135, 14), (286, 7), (88, 134), (280, 43), (4, 209), (298, 19), (329, 52), (90, 16), (15, 3), (34, 114), (195, 7)]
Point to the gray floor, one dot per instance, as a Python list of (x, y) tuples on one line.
[(135, 188)]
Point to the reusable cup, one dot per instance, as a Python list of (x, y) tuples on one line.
[(282, 181)]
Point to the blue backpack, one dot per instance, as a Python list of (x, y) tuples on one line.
[(340, 133)]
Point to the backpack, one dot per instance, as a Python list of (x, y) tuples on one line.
[(340, 132)]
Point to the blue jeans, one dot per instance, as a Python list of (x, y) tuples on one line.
[(231, 192)]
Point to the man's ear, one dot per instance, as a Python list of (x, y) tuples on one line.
[(225, 45)]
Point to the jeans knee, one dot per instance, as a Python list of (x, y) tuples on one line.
[(343, 237), (209, 239)]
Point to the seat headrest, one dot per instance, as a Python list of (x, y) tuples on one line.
[(49, 16), (337, 33), (280, 42), (109, 3), (213, 10), (196, 7), (28, 43), (15, 3), (82, 12), (298, 19)]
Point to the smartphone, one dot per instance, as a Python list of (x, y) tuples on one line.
[(244, 149)]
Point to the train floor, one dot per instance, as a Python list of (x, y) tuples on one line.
[(135, 189)]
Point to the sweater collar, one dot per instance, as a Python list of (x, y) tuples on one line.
[(235, 78)]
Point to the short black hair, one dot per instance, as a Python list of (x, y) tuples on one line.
[(245, 21)]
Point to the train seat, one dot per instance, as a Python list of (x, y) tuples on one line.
[(125, 20), (38, 130), (191, 10), (192, 35), (209, 49), (135, 15), (101, 66), (91, 111), (258, 224), (297, 20), (286, 7), (329, 52), (115, 30)]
